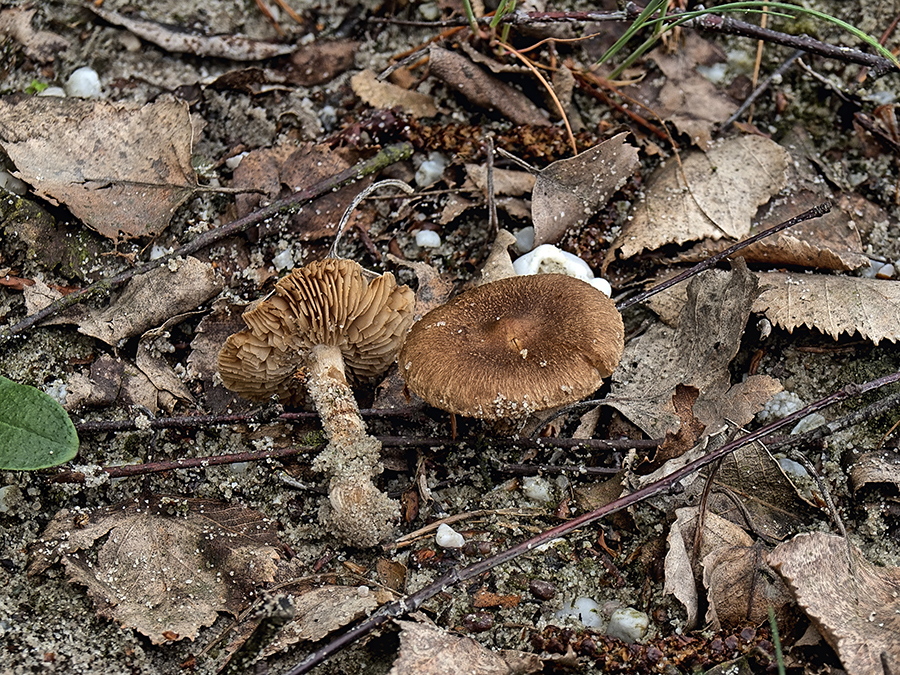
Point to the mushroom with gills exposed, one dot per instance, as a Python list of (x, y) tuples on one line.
[(323, 321), (513, 347)]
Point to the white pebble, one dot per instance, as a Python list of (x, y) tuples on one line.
[(447, 537), (53, 91), (283, 260), (537, 489), (808, 423), (525, 239), (234, 161), (585, 610), (84, 83), (627, 624), (11, 497), (428, 239), (886, 272), (431, 169)]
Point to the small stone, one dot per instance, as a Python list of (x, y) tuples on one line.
[(627, 624), (478, 622), (542, 590), (84, 83), (447, 537)]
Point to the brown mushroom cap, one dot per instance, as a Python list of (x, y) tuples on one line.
[(328, 302), (514, 346)]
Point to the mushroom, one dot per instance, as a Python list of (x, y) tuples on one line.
[(323, 321), (513, 347)]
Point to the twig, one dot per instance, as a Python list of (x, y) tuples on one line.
[(708, 22), (414, 601), (198, 421), (387, 156), (782, 69), (386, 441), (814, 212)]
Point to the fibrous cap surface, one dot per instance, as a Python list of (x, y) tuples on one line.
[(514, 346)]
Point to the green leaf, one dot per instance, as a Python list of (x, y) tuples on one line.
[(35, 431)]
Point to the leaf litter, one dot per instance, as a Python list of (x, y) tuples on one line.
[(698, 398), (165, 566), (97, 159)]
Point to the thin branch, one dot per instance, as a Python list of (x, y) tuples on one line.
[(147, 468), (387, 156), (412, 602), (755, 94)]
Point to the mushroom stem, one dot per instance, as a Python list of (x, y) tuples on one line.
[(357, 510), (332, 395)]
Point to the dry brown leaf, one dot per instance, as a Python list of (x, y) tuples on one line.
[(111, 381), (152, 363), (284, 169), (147, 301), (506, 182), (724, 188), (682, 570), (569, 191), (426, 650), (319, 62), (688, 99), (855, 606), (482, 89), (877, 469), (97, 158), (831, 304), (380, 94), (831, 242), (40, 45), (165, 566), (751, 490), (171, 39), (697, 353), (741, 588), (320, 611)]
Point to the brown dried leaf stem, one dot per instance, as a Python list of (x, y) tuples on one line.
[(412, 602), (387, 156), (815, 212), (559, 106)]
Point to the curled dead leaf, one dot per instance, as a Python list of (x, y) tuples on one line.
[(832, 304), (723, 189), (855, 605), (569, 191)]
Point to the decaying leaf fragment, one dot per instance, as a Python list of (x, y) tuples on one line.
[(855, 605), (40, 45), (832, 304), (380, 94), (234, 47), (725, 186), (166, 565), (569, 191), (426, 650), (98, 159), (482, 89), (148, 300), (697, 353)]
